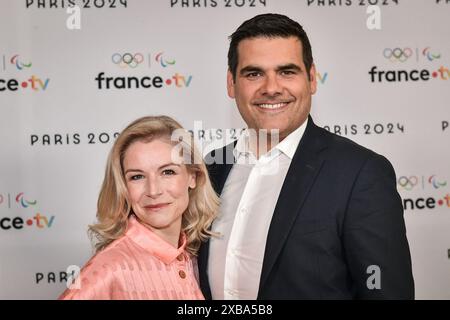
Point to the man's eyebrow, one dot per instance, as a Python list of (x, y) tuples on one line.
[(250, 68), (253, 68), (289, 66)]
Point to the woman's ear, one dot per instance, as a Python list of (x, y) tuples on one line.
[(192, 180)]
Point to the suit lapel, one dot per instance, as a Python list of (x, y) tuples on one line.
[(219, 163), (301, 175)]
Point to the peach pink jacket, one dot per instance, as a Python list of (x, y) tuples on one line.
[(139, 265)]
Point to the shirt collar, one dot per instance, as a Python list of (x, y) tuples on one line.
[(150, 241), (288, 146), (242, 145)]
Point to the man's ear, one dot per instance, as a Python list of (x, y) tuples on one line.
[(230, 84), (313, 78)]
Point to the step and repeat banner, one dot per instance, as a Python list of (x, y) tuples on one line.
[(74, 73)]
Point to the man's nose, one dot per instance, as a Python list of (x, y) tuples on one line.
[(271, 85)]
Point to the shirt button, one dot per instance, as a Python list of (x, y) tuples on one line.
[(232, 292), (180, 257), (182, 274)]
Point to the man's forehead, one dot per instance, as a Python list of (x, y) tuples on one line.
[(264, 40), (262, 51)]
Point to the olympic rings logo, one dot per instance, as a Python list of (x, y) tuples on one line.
[(398, 54), (127, 59), (407, 183)]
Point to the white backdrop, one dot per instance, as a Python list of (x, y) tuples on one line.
[(57, 122)]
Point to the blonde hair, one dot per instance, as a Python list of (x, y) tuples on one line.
[(114, 207)]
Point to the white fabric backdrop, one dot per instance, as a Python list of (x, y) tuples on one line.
[(57, 125)]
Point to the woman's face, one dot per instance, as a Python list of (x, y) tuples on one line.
[(158, 184)]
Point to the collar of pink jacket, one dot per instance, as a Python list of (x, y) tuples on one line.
[(151, 242)]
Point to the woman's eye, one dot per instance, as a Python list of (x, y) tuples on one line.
[(168, 172), (136, 177)]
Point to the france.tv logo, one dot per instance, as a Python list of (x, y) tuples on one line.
[(32, 83), (321, 77), (36, 220), (134, 60), (422, 203)]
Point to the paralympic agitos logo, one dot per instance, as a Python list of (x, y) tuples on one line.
[(132, 61), (406, 55)]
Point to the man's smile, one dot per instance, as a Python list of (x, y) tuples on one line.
[(272, 106)]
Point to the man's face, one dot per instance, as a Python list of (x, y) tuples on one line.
[(272, 88)]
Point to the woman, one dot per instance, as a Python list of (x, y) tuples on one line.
[(154, 209)]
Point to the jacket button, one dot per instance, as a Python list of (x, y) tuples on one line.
[(182, 274), (180, 257)]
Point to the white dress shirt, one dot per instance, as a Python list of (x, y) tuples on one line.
[(248, 201)]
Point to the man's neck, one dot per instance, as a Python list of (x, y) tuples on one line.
[(262, 141)]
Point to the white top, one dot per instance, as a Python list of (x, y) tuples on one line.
[(248, 201)]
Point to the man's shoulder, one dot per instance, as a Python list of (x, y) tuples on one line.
[(342, 149), (338, 147), (344, 145)]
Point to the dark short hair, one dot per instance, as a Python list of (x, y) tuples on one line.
[(268, 25)]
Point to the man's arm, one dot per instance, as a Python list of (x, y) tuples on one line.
[(374, 237)]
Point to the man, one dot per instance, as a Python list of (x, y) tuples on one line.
[(316, 217)]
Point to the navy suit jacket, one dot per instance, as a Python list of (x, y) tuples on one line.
[(338, 215)]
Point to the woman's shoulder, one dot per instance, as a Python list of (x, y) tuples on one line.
[(116, 250), (98, 276)]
